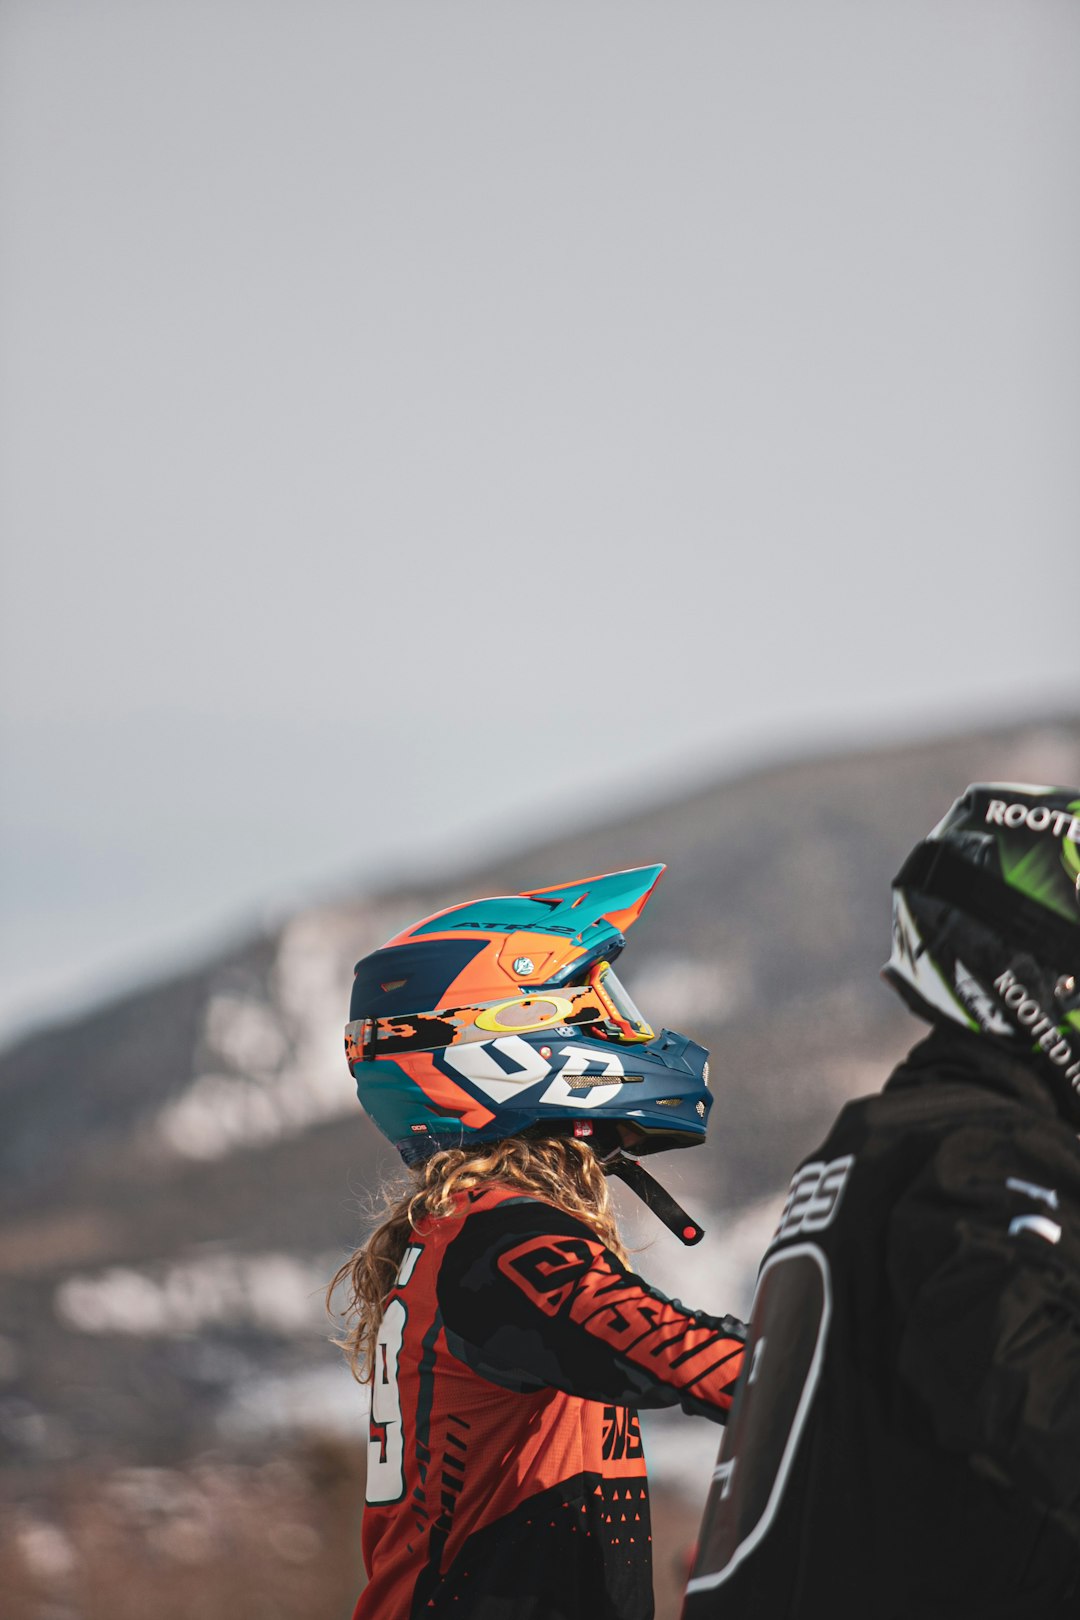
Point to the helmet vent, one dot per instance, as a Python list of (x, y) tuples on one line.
[(585, 1082)]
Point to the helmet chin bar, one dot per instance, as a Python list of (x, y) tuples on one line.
[(649, 1190)]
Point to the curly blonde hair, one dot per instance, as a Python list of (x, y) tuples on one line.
[(558, 1169)]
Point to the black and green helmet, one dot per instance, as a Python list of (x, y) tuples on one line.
[(986, 925)]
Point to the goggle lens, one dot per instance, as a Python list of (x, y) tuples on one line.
[(619, 1004)]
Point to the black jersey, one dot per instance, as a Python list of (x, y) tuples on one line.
[(905, 1440)]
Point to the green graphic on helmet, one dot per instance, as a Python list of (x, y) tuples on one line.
[(1070, 853), (986, 926), (1036, 871)]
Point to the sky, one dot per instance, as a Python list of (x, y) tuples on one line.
[(426, 425)]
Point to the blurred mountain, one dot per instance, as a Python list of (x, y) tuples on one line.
[(182, 1170)]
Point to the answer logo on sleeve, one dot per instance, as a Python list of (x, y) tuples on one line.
[(546, 1269)]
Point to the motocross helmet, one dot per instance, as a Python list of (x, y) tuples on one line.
[(505, 1016), (986, 926)]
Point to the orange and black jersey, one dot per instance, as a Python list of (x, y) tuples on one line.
[(506, 1479)]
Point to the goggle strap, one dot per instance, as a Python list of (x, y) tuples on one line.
[(657, 1198)]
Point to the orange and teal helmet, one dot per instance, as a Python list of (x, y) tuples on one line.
[(505, 1015)]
